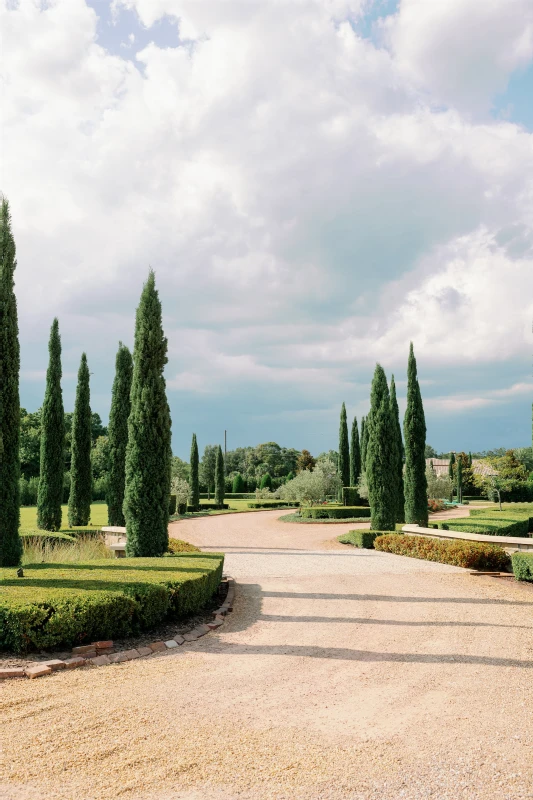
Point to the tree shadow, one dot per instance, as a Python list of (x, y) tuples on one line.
[(396, 598)]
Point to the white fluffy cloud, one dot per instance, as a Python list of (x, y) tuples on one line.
[(461, 52), (302, 194)]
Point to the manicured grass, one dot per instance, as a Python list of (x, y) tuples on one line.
[(28, 518), (69, 604)]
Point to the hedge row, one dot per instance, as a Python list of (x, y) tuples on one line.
[(273, 504), (523, 566), (66, 605), (335, 512), (505, 525), (231, 496), (519, 512), (471, 555), (363, 539)]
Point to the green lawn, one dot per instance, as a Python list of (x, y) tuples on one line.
[(28, 517)]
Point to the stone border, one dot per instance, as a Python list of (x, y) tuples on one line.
[(101, 654)]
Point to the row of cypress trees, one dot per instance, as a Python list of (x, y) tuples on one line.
[(380, 452)]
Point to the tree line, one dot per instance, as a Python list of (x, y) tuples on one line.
[(139, 428), (389, 469)]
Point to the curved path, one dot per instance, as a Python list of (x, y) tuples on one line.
[(340, 674)]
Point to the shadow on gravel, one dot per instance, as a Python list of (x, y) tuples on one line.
[(344, 654), (396, 622), (394, 599)]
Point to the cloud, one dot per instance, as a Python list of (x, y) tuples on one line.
[(308, 205), (461, 52)]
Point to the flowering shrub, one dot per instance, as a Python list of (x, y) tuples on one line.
[(435, 505), (471, 555)]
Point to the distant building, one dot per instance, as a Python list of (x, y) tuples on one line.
[(480, 466)]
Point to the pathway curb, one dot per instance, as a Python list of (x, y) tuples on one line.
[(100, 654)]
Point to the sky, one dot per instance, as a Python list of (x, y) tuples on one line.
[(316, 183)]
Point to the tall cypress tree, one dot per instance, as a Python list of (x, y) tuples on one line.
[(460, 480), (414, 431), (398, 470), (52, 466), (355, 454), (362, 444), (219, 477), (469, 459), (118, 435), (365, 431), (148, 454), (10, 541), (194, 493), (381, 459), (344, 450), (81, 478)]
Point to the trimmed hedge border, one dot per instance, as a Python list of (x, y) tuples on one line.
[(511, 525), (102, 653), (62, 604), (336, 512), (362, 539), (303, 521), (469, 555), (523, 566), (274, 504)]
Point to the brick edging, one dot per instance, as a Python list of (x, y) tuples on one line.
[(99, 654)]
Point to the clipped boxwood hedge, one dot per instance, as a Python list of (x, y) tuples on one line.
[(504, 525), (70, 604), (471, 555), (273, 504), (363, 539), (335, 512), (33, 536), (523, 566)]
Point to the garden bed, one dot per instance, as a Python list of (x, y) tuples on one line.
[(336, 512), (469, 555), (64, 605)]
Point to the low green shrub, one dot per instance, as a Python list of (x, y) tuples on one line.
[(172, 505), (364, 539), (176, 546), (207, 507), (305, 521), (470, 555), (48, 536), (504, 525), (523, 566), (273, 504), (335, 512), (69, 604), (519, 512)]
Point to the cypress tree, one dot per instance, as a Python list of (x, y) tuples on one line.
[(460, 480), (355, 454), (381, 458), (219, 477), (148, 454), (450, 465), (52, 463), (238, 484), (414, 431), (365, 430), (469, 459), (398, 470), (344, 450), (266, 482), (81, 479), (118, 435), (194, 492), (10, 541)]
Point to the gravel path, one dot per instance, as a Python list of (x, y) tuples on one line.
[(341, 674)]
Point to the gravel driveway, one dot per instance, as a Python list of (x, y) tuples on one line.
[(341, 674)]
